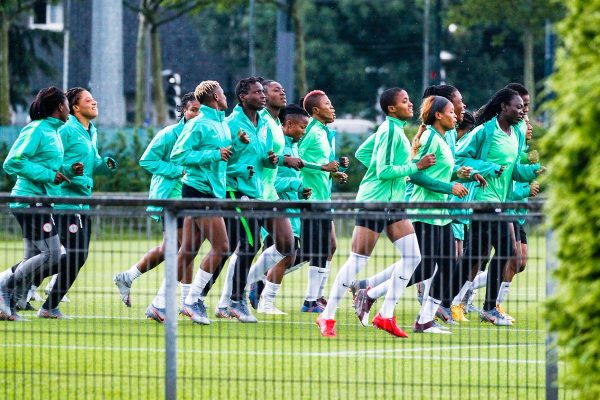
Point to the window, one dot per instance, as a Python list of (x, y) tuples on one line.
[(47, 15)]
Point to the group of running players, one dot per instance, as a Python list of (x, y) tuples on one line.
[(269, 150)]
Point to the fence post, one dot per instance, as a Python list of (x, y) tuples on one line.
[(551, 351), (171, 303)]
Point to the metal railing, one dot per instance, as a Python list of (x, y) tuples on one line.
[(109, 351)]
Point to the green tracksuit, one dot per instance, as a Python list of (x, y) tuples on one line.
[(276, 143), (253, 154), (34, 158), (315, 148), (289, 184), (198, 150), (166, 175), (81, 145), (389, 163), (486, 149)]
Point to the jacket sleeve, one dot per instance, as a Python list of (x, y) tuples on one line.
[(467, 151), (422, 179), (184, 154), (18, 159), (524, 173), (385, 169), (303, 149), (365, 151), (152, 160), (288, 184), (520, 192)]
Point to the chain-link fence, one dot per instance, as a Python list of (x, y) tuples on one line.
[(109, 343)]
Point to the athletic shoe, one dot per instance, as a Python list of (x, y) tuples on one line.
[(362, 306), (430, 327), (221, 312), (5, 310), (253, 296), (470, 308), (54, 313), (312, 307), (502, 311), (196, 312), (155, 313), (25, 306), (269, 308), (494, 317), (445, 314), (389, 325), (354, 288), (124, 285), (326, 326), (239, 310), (458, 313), (322, 302)]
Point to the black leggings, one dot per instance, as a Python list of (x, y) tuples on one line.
[(75, 232), (437, 247), (484, 235), (315, 242)]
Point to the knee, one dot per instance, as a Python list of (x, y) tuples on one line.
[(286, 246), (221, 249), (522, 264)]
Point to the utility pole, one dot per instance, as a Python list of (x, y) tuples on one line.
[(285, 49), (107, 61)]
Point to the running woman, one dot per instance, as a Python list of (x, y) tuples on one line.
[(494, 146), (202, 148), (80, 142), (165, 184), (36, 158), (385, 180)]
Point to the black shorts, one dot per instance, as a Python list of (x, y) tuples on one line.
[(268, 242), (37, 226), (377, 224), (520, 233), (188, 192)]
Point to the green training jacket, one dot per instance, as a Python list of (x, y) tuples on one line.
[(276, 143), (198, 150), (81, 145), (34, 158), (314, 147)]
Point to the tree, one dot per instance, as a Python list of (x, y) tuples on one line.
[(574, 194), (526, 17), (10, 12), (151, 15)]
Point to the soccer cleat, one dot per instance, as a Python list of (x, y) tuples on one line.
[(326, 326), (268, 308), (458, 313), (494, 317), (221, 312), (470, 308), (389, 325), (155, 313), (502, 311), (239, 310), (362, 306), (322, 302), (124, 285), (196, 312), (5, 310), (253, 296), (54, 313), (430, 327), (445, 314), (311, 307), (354, 287)]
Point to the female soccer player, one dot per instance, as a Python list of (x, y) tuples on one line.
[(384, 181), (165, 184), (36, 158)]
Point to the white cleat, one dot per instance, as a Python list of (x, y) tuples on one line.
[(268, 308)]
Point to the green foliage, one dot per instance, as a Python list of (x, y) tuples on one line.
[(6, 181), (574, 195)]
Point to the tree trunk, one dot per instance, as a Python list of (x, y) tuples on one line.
[(5, 109), (158, 93), (301, 83), (140, 69), (528, 69)]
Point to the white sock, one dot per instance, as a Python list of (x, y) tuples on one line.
[(380, 277), (480, 280), (428, 309), (185, 290), (268, 258), (133, 273), (50, 284), (325, 277), (270, 292), (427, 282), (160, 300), (343, 279), (295, 267), (411, 257), (379, 290), (503, 292), (200, 280), (315, 277), (461, 294), (228, 284)]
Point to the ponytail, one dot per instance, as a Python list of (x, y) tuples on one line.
[(46, 102)]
